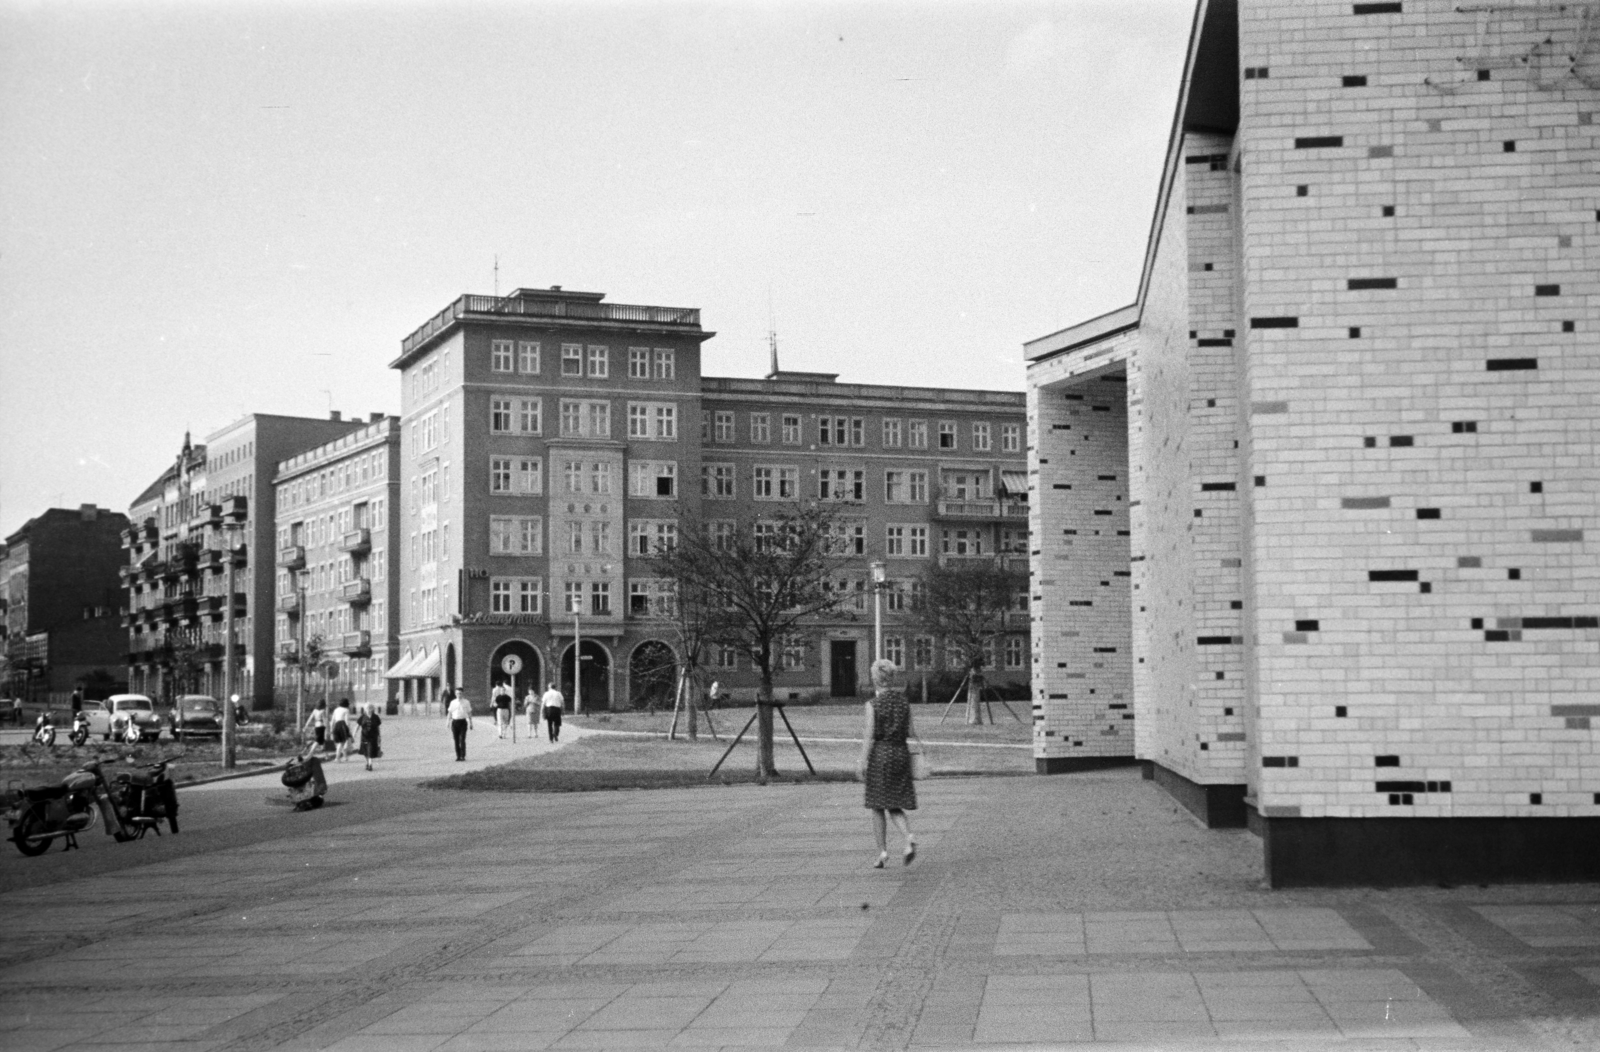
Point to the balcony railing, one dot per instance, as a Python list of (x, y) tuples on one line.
[(288, 653), (356, 644), (581, 310), (216, 608), (356, 541), (983, 509), (356, 592), (292, 557), (206, 515), (289, 604)]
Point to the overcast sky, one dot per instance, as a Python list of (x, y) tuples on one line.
[(208, 209)]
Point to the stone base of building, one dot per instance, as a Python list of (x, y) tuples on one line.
[(1333, 852), (1069, 764), (1217, 806)]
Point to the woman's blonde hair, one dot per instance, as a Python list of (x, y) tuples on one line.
[(884, 672)]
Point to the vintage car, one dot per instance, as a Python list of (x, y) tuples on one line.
[(112, 717), (199, 716)]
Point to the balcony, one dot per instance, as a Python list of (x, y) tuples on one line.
[(292, 557), (990, 510), (357, 592), (289, 604), (356, 644), (177, 568), (551, 307), (213, 560), (356, 542), (288, 653), (214, 607), (208, 515)]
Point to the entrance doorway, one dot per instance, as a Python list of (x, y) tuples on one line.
[(596, 677), (842, 663), (652, 675), (516, 664)]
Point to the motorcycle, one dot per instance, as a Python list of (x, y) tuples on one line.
[(44, 730), (304, 779), (80, 728), (130, 807)]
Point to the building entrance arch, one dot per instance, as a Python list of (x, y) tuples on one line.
[(652, 675), (596, 676), (516, 663)]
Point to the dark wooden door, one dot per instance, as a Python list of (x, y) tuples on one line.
[(843, 667)]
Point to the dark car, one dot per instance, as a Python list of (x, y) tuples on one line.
[(199, 716)]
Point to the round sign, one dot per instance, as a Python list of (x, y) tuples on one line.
[(511, 664)]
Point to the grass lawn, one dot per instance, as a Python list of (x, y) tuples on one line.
[(644, 759), (25, 765), (839, 721)]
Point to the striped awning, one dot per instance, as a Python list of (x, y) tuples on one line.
[(427, 666), (1015, 484), (398, 670)]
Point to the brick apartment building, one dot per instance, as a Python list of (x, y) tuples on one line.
[(1316, 514), (550, 439), (59, 596)]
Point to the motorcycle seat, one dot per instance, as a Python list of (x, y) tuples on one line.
[(45, 792), (139, 777)]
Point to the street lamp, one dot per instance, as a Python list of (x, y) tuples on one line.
[(300, 652), (879, 579), (234, 519)]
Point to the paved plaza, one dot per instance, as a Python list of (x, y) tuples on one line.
[(1041, 912)]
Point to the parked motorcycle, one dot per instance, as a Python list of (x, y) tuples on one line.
[(304, 779), (130, 806), (44, 730), (80, 728)]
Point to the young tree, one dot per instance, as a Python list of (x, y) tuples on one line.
[(180, 658), (964, 605), (751, 584)]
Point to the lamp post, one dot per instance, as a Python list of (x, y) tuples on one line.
[(879, 578), (300, 652), (234, 519)]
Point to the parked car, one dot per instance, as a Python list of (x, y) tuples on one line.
[(112, 716), (200, 716)]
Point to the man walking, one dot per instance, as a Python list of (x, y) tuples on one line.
[(502, 708), (460, 715), (553, 703)]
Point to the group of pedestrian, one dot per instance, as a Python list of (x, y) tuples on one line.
[(549, 705), (340, 727)]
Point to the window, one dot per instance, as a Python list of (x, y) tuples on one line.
[(775, 482), (794, 657), (528, 358), (726, 657), (599, 362), (917, 541), (573, 593), (501, 359), (791, 429), (515, 416), (917, 487), (894, 487), (530, 595), (650, 598), (947, 434), (572, 359), (1015, 651), (966, 485), (858, 431), (722, 423), (1011, 438), (638, 363), (841, 484), (899, 596), (716, 481), (922, 652), (515, 535), (721, 535), (600, 597), (581, 419), (515, 595), (1014, 542), (833, 431), (499, 474), (891, 433), (761, 427), (600, 479), (573, 470), (653, 421), (648, 536), (962, 542), (894, 540), (666, 363), (917, 434), (850, 538), (653, 478), (894, 649), (981, 441), (766, 536), (530, 416)]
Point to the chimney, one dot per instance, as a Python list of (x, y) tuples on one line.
[(334, 414), (88, 512), (373, 418)]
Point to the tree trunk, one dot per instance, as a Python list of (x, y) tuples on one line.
[(691, 692), (975, 697), (765, 767)]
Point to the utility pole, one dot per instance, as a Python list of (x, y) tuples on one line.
[(300, 653), (233, 519), (577, 660), (879, 578)]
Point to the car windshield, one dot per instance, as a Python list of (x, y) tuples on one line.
[(140, 704), (199, 705)]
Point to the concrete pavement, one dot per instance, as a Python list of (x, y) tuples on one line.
[(1040, 913)]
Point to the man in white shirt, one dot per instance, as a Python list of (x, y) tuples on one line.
[(460, 715), (553, 703), (501, 700)]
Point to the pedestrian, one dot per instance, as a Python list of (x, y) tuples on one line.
[(553, 703), (531, 704), (317, 724), (77, 700), (460, 715), (341, 730), (714, 695), (501, 699), (370, 723), (885, 765), (16, 709)]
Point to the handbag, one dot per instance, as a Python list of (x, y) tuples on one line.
[(919, 762)]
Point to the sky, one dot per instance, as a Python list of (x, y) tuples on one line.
[(214, 208)]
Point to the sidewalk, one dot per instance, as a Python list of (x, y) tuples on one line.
[(1071, 911)]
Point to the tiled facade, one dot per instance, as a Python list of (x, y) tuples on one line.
[(1362, 374), (338, 548), (551, 439)]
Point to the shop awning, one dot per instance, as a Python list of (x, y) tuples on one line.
[(427, 666), (1015, 484), (398, 670)]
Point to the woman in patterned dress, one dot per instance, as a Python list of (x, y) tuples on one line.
[(885, 765)]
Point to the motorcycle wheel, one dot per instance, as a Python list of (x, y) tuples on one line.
[(132, 735), (79, 737), (30, 824)]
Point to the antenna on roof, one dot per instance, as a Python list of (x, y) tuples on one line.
[(772, 336), (497, 275)]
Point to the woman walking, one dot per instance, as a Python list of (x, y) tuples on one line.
[(317, 724), (341, 730), (370, 723), (885, 765)]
